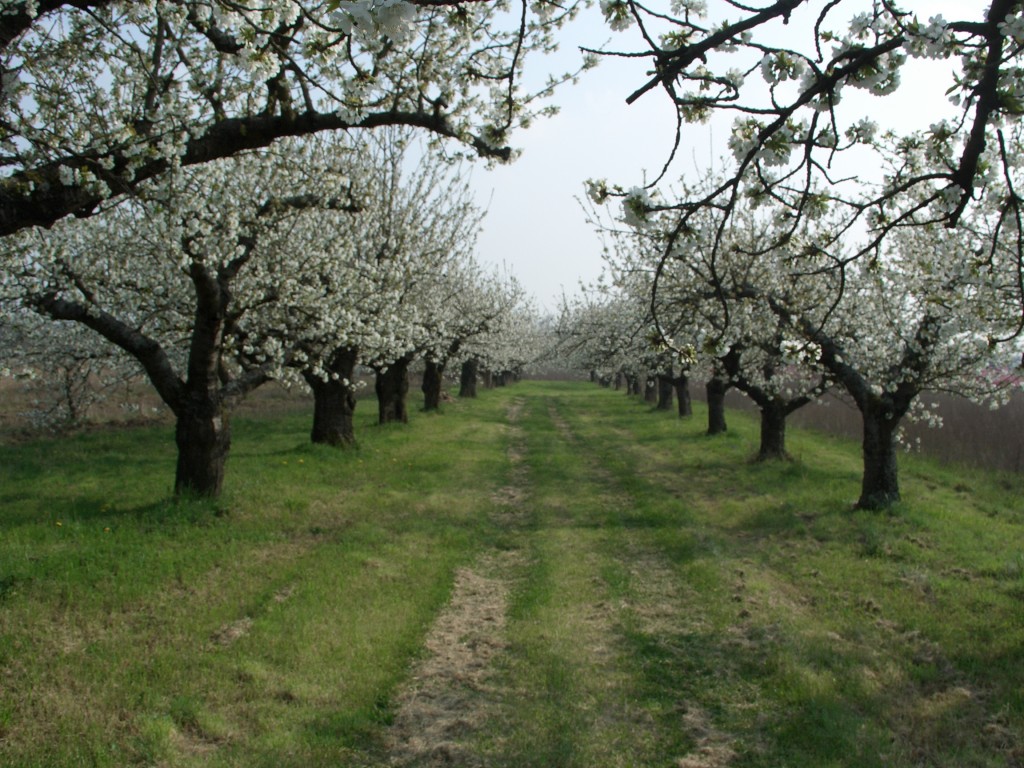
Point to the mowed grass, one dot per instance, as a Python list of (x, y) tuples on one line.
[(267, 628), (677, 606)]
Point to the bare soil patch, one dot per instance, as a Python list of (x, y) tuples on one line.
[(453, 690), (713, 746), (232, 631), (451, 693)]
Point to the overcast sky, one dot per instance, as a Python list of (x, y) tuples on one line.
[(535, 225)]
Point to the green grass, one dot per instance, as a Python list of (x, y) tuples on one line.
[(268, 627), (675, 604)]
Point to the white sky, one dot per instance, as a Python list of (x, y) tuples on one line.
[(535, 226)]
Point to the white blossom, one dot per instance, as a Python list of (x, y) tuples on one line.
[(617, 14), (597, 190), (932, 41), (636, 207)]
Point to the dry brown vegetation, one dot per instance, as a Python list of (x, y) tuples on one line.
[(972, 435)]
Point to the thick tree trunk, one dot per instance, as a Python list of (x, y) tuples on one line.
[(618, 380), (880, 484), (333, 401), (333, 408), (664, 392), (716, 389), (433, 379), (203, 430), (467, 378), (200, 400), (682, 385), (203, 435), (392, 386), (650, 390), (773, 432)]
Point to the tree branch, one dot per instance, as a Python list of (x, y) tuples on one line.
[(46, 200), (675, 61), (147, 351)]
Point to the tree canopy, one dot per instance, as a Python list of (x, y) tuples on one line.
[(96, 97), (782, 69)]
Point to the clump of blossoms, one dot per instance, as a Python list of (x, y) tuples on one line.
[(636, 207), (801, 151), (94, 100), (394, 19)]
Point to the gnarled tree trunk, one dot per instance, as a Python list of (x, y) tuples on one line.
[(682, 385), (650, 390), (433, 379), (201, 399), (880, 484), (467, 378), (202, 432), (664, 392), (334, 403), (716, 389), (392, 386), (773, 431)]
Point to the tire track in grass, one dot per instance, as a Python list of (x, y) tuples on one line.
[(575, 691), (652, 603), (453, 690)]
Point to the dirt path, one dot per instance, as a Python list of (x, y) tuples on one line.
[(653, 603), (453, 691), (451, 694), (469, 678)]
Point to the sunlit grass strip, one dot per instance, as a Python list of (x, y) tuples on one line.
[(267, 628), (818, 635), (677, 605)]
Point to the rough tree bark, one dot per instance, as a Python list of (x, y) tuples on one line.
[(773, 407), (881, 411), (334, 402), (467, 378), (433, 379), (880, 483), (650, 390), (716, 389), (773, 431), (664, 392), (201, 400), (392, 386), (682, 386), (202, 432)]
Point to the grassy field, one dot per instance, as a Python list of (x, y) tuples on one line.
[(550, 575)]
